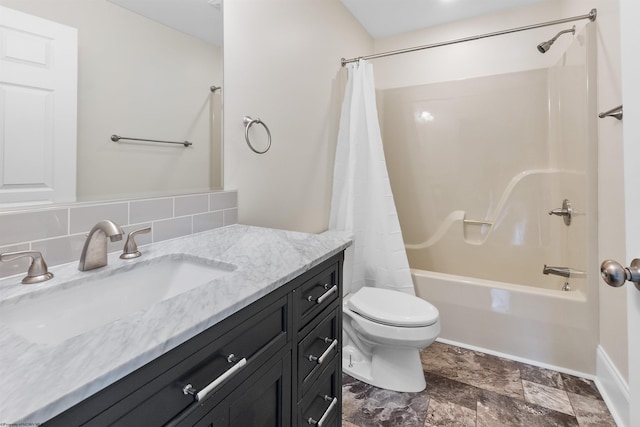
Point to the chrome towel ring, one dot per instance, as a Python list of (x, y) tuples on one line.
[(248, 122)]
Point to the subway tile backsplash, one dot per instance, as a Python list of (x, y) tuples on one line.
[(219, 201), (61, 249), (151, 209), (207, 221), (230, 216), (59, 233), (19, 227), (193, 204), (85, 217), (172, 228)]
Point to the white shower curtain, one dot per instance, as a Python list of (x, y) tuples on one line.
[(362, 202)]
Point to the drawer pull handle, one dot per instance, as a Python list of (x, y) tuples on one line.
[(324, 296), (320, 422), (188, 389), (320, 359)]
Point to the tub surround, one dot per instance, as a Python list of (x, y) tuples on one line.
[(40, 381)]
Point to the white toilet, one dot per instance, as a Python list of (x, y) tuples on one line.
[(384, 332)]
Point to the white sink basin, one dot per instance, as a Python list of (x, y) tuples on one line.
[(85, 304)]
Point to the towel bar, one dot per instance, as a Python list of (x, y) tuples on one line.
[(116, 138)]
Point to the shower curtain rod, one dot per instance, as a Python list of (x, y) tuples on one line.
[(591, 16)]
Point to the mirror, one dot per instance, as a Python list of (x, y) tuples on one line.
[(140, 75)]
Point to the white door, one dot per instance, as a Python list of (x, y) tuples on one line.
[(630, 35), (38, 109)]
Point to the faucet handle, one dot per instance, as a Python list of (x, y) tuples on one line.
[(565, 211), (130, 249), (37, 272)]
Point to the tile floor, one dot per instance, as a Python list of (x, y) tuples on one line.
[(468, 388)]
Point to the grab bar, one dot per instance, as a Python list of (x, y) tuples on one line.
[(477, 222), (116, 138)]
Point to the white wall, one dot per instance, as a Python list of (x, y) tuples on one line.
[(282, 64), (611, 221), (141, 79)]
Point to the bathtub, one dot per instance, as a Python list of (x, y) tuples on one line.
[(544, 327)]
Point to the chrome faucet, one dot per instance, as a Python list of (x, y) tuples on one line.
[(94, 253), (557, 271)]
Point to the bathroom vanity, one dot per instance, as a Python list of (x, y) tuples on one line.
[(258, 346)]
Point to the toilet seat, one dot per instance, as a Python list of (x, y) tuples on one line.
[(392, 308)]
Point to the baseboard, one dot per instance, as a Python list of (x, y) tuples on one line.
[(519, 359), (613, 388)]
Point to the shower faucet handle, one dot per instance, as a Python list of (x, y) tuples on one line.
[(614, 274), (565, 211)]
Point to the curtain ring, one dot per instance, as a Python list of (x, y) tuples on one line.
[(248, 122)]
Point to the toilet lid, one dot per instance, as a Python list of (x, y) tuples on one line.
[(392, 307)]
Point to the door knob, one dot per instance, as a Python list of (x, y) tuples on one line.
[(616, 275)]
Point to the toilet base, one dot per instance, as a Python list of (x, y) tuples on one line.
[(397, 369)]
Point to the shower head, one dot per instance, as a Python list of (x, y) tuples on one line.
[(545, 46)]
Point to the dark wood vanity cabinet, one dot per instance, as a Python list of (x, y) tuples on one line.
[(276, 362)]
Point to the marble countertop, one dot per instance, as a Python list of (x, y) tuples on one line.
[(39, 381)]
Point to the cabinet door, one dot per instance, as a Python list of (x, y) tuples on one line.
[(263, 400)]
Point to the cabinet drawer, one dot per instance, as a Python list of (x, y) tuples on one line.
[(321, 343), (324, 399), (264, 399), (251, 344), (317, 293)]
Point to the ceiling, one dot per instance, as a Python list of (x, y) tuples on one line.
[(384, 18), (381, 18), (198, 18)]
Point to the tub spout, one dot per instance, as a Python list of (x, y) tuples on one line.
[(557, 271)]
